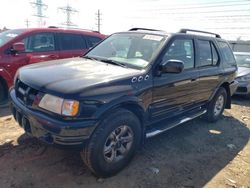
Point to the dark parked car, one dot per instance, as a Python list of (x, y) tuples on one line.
[(243, 76), (132, 86), (21, 47)]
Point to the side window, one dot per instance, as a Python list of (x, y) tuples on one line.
[(227, 52), (205, 54), (215, 54), (70, 41), (41, 42), (91, 40), (181, 49)]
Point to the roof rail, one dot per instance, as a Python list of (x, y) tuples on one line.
[(74, 28), (197, 31), (138, 28)]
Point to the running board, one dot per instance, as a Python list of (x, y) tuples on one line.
[(160, 129)]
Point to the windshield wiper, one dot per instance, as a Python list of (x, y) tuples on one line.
[(91, 58), (112, 62)]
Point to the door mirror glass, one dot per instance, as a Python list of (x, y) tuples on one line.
[(18, 47), (172, 66)]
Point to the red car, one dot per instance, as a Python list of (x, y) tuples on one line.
[(21, 47)]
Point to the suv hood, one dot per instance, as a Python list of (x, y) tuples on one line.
[(70, 76), (242, 71)]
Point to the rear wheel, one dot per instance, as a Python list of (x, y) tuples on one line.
[(113, 144), (217, 105)]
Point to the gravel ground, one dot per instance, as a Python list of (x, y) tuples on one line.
[(195, 154)]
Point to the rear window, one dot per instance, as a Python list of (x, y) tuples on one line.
[(70, 41), (92, 41), (227, 53)]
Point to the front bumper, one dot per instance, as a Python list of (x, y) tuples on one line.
[(51, 130), (233, 87), (243, 89)]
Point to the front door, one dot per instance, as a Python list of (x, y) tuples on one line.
[(40, 47), (173, 93)]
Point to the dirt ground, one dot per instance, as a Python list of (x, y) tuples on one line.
[(195, 154)]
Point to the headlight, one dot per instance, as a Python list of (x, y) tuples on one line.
[(244, 78), (59, 105)]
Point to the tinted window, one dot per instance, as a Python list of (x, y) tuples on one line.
[(215, 55), (72, 42), (92, 40), (41, 42), (227, 52), (205, 54), (181, 49)]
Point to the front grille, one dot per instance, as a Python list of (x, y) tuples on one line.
[(25, 93)]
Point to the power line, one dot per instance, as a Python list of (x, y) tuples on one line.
[(69, 11), (40, 7), (194, 7)]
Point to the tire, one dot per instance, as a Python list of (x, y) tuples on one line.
[(3, 94), (216, 106), (103, 153)]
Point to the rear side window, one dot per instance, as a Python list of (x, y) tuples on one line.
[(70, 41), (208, 55), (41, 42), (227, 52), (91, 40)]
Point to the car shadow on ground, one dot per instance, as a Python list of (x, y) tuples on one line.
[(187, 156)]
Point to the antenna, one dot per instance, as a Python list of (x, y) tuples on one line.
[(69, 11), (40, 7)]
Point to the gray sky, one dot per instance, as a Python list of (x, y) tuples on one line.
[(230, 18)]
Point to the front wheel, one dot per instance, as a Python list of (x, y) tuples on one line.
[(216, 105), (113, 144)]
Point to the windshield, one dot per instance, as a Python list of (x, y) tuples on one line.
[(132, 50), (243, 60), (6, 36)]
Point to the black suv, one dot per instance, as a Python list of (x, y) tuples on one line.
[(132, 86)]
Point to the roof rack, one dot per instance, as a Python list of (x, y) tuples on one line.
[(197, 31), (73, 28), (138, 28)]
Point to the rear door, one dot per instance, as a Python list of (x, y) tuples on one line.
[(173, 93), (208, 63), (71, 45)]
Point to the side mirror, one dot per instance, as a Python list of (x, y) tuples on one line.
[(18, 47), (172, 66)]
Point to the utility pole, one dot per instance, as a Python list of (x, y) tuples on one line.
[(27, 23), (98, 20), (69, 11), (39, 6)]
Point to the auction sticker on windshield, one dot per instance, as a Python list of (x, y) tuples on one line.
[(153, 37)]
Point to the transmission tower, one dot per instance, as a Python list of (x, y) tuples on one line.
[(98, 20), (69, 11), (40, 7)]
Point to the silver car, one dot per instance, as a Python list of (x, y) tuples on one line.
[(243, 76)]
